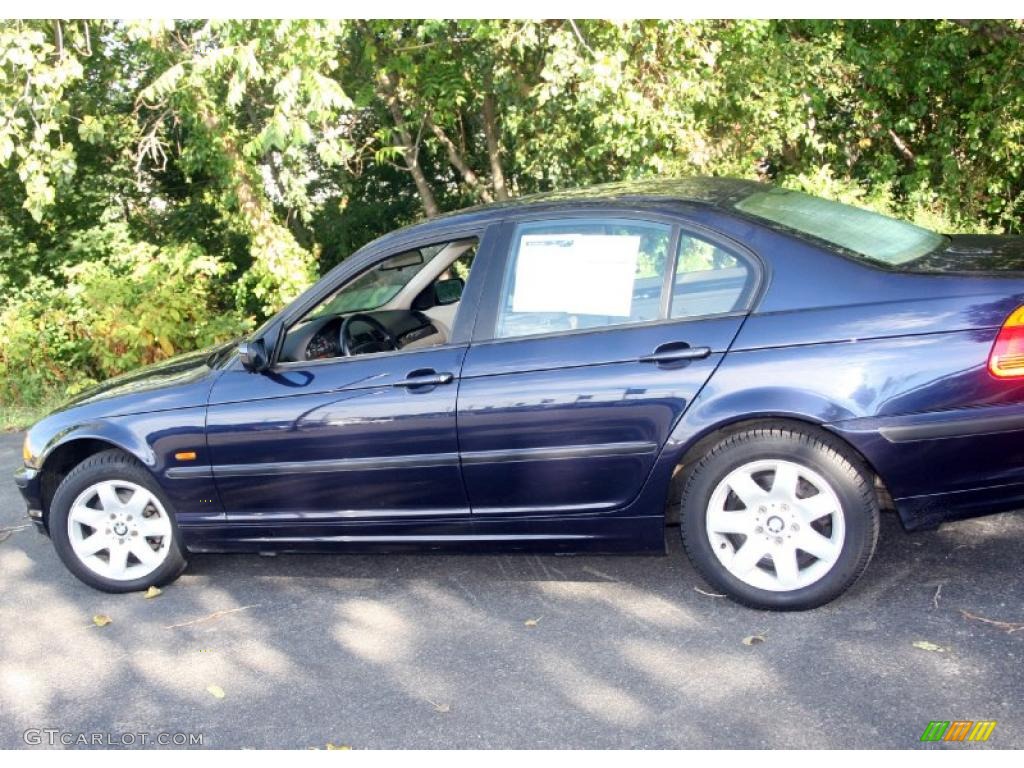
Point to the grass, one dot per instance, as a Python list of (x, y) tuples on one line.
[(15, 417)]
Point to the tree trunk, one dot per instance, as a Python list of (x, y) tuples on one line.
[(901, 145), (459, 162), (410, 151), (494, 148)]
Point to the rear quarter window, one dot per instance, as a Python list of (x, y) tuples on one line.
[(709, 280)]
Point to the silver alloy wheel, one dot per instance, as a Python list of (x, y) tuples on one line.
[(776, 525), (119, 530)]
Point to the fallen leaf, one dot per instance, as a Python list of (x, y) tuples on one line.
[(216, 691), (339, 746), (442, 708), (152, 592), (101, 620), (924, 645), (533, 622), (754, 639)]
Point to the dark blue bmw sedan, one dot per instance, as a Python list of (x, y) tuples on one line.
[(569, 373)]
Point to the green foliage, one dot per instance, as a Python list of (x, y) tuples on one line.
[(156, 176), (32, 111), (923, 210), (246, 100), (124, 304)]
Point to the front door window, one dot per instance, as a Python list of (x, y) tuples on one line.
[(407, 301)]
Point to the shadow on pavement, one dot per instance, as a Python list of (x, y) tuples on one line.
[(515, 650)]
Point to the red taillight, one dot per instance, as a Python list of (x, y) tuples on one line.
[(1006, 361)]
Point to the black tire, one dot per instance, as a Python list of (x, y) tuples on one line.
[(111, 465), (833, 461)]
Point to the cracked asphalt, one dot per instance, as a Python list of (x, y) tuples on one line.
[(516, 651)]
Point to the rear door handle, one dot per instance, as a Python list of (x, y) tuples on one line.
[(676, 352), (425, 379)]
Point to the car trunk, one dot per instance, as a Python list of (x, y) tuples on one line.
[(983, 254)]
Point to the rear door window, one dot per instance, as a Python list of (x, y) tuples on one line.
[(580, 273)]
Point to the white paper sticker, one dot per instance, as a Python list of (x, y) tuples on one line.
[(576, 274)]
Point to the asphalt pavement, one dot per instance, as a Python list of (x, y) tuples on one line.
[(509, 651)]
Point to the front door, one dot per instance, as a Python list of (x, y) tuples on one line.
[(602, 331), (336, 439), (352, 431)]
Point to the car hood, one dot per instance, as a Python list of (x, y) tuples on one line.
[(975, 253), (167, 384), (178, 383)]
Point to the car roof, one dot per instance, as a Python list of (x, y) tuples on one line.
[(709, 190), (717, 192)]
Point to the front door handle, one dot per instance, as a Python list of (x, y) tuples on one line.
[(425, 379), (676, 352)]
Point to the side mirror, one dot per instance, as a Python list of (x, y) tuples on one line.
[(448, 291), (253, 354)]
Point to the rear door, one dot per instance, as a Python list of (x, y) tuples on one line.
[(591, 341)]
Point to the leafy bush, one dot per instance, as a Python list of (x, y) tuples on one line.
[(922, 208), (276, 148), (124, 304)]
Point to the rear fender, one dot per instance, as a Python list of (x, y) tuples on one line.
[(710, 413)]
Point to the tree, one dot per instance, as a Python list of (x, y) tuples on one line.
[(243, 101), (249, 156)]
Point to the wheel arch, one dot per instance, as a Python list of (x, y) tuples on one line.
[(687, 453), (77, 445)]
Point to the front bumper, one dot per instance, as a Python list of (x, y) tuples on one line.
[(28, 482)]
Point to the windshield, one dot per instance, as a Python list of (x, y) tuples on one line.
[(871, 235), (376, 287)]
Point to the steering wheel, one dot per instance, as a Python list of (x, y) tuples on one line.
[(381, 339)]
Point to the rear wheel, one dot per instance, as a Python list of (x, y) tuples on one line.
[(113, 527), (779, 518)]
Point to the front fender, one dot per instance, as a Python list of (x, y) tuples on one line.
[(105, 431), (154, 439)]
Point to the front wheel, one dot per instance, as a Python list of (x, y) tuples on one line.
[(779, 518), (113, 527)]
